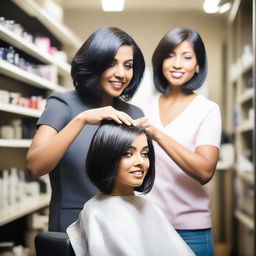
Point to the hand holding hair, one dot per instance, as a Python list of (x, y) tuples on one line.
[(153, 131), (95, 116)]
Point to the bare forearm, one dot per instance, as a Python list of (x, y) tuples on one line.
[(42, 158), (198, 165)]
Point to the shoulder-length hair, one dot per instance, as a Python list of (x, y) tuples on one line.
[(107, 147), (166, 45), (96, 55)]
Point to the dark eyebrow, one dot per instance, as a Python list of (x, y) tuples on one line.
[(132, 147), (129, 60), (187, 52), (182, 52), (125, 60)]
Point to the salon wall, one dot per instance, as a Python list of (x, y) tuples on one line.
[(147, 27)]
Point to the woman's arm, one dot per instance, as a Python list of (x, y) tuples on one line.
[(49, 146), (200, 164)]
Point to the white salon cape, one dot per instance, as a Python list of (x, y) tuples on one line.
[(124, 226)]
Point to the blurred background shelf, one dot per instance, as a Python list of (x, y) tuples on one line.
[(29, 78), (15, 143), (65, 35), (20, 110), (245, 219), (33, 50), (18, 210)]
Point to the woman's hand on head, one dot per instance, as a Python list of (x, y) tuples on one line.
[(96, 115), (152, 130)]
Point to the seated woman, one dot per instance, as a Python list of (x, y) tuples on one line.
[(116, 222)]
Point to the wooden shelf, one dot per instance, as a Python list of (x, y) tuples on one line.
[(247, 95), (20, 110), (33, 50), (18, 210), (66, 36), (15, 143), (29, 78), (245, 219), (247, 66), (243, 68), (246, 176), (245, 126)]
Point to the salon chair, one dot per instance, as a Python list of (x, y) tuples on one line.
[(53, 244)]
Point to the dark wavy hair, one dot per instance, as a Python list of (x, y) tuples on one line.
[(166, 45), (107, 147), (96, 55)]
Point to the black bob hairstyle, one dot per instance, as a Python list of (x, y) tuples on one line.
[(108, 145), (166, 45), (96, 55)]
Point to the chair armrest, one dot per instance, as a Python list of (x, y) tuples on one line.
[(53, 244)]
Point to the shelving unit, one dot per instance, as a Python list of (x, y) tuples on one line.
[(248, 222), (16, 80), (31, 204), (33, 50), (247, 177), (20, 110), (65, 35), (241, 123), (246, 96), (15, 143), (28, 78), (245, 126)]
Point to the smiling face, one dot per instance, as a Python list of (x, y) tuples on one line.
[(118, 76), (133, 167), (181, 64)]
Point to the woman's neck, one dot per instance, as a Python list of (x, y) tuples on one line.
[(177, 94), (118, 194), (107, 101), (122, 191)]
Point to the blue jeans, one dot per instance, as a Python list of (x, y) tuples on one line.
[(200, 241)]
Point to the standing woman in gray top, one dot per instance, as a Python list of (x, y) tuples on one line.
[(109, 66)]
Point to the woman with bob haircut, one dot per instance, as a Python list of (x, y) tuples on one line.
[(120, 161), (186, 128), (168, 43), (108, 66), (109, 145)]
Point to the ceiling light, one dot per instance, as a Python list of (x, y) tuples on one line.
[(224, 7), (211, 6), (214, 6), (112, 5)]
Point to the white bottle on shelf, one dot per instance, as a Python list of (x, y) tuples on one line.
[(13, 185), (5, 184), (16, 124)]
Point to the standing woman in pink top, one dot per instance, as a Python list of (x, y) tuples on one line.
[(186, 128)]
